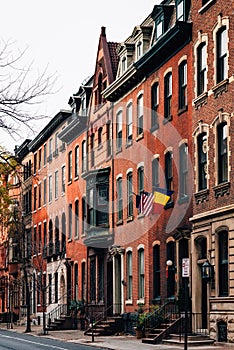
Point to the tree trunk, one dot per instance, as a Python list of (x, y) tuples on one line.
[(28, 324)]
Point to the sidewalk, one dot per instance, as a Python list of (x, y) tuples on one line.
[(120, 342)]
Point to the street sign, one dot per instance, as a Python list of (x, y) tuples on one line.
[(185, 267)]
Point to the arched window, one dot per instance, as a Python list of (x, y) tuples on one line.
[(156, 271), (223, 263)]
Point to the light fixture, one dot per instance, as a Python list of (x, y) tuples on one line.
[(207, 271)]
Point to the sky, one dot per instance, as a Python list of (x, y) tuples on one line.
[(63, 36)]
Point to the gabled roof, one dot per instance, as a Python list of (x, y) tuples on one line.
[(109, 59)]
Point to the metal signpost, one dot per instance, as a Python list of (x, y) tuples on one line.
[(185, 275)]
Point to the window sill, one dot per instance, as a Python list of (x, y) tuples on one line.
[(154, 128), (221, 189), (76, 178), (201, 196), (119, 150), (140, 136), (182, 110), (69, 182), (167, 120), (128, 302), (140, 216), (129, 143), (220, 88), (119, 222), (100, 146), (130, 218), (206, 6), (141, 301), (183, 199), (201, 100), (69, 240)]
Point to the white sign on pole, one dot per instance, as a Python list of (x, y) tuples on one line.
[(185, 267)]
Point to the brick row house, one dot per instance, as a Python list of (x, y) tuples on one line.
[(156, 114)]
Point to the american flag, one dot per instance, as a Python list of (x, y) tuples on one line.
[(146, 203)]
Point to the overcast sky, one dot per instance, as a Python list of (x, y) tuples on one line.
[(64, 35)]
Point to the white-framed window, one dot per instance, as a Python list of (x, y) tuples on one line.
[(50, 188), (129, 123), (119, 133), (56, 184), (140, 113)]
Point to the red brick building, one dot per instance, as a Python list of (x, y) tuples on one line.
[(152, 146), (212, 220)]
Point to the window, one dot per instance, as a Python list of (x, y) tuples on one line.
[(222, 64), (154, 105), (56, 184), (63, 177), (159, 27), (155, 174), (223, 263), (35, 164), (201, 68), (222, 153), (84, 215), (130, 195), (50, 188), (44, 235), (50, 289), (70, 166), (180, 10), (119, 131), (100, 278), (119, 200), (156, 271), (108, 140), (76, 281), (35, 198), (123, 64), (140, 179), (76, 219), (129, 123), (171, 269), (45, 154), (77, 157), (183, 151), (35, 240), (83, 281), (83, 156), (141, 274), (39, 159), (168, 170), (167, 95), (98, 199), (183, 85), (92, 280), (129, 275), (140, 115), (92, 149), (50, 149), (56, 144), (56, 287), (202, 161), (70, 221), (100, 137), (39, 195), (139, 49)]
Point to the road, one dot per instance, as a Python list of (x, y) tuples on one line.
[(10, 340)]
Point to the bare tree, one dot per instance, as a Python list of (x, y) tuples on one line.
[(19, 89)]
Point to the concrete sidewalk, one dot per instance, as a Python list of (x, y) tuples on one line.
[(118, 342)]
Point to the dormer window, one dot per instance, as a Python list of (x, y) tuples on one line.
[(159, 27), (139, 49), (123, 64), (180, 10)]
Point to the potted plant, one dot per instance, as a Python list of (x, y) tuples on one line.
[(140, 322)]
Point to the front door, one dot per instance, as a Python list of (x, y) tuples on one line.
[(117, 284)]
